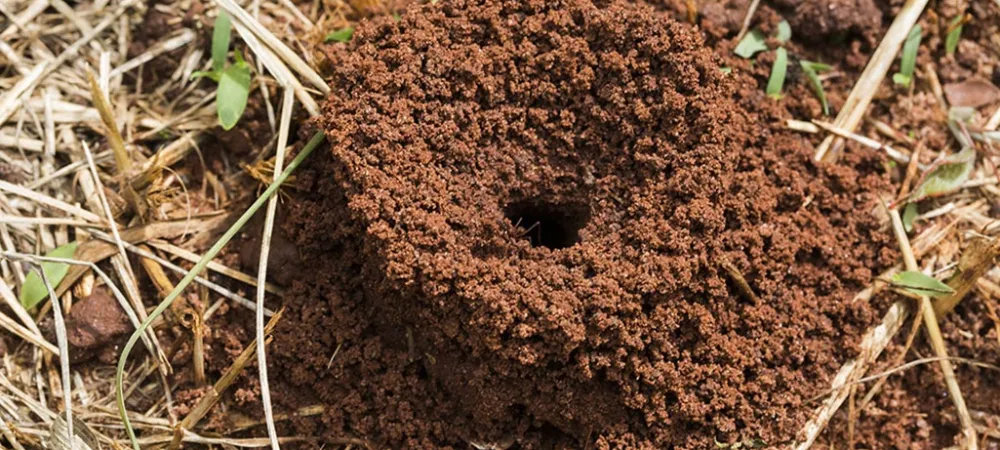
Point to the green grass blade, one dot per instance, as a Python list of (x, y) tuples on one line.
[(233, 230), (221, 35), (908, 61), (778, 71), (812, 70), (951, 41)]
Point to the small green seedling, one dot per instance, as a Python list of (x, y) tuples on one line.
[(234, 80), (777, 80), (919, 284), (341, 35), (726, 70), (33, 291), (908, 61), (784, 32), (954, 34), (812, 71), (754, 42)]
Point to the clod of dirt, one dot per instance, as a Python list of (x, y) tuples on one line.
[(522, 221), (94, 322), (971, 93)]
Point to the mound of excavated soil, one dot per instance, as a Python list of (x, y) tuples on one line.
[(519, 233)]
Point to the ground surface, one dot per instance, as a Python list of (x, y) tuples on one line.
[(523, 233)]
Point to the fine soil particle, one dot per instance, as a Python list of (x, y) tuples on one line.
[(522, 225)]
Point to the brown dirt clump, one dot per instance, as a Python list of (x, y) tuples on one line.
[(521, 227)]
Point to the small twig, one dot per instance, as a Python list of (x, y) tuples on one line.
[(49, 201), (896, 155), (115, 141), (63, 343), (914, 328), (288, 103), (934, 331), (198, 346), (911, 169)]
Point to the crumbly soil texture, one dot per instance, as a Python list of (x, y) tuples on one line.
[(530, 229)]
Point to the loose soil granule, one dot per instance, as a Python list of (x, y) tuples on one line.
[(520, 230)]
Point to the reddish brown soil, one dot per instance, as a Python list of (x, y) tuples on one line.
[(519, 230)]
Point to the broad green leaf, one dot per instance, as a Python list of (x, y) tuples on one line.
[(908, 61), (220, 41), (341, 35), (784, 31), (33, 291), (812, 70), (778, 71), (920, 284), (946, 176), (751, 44), (234, 89), (951, 41), (909, 214)]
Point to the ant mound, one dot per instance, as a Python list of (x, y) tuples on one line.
[(537, 224)]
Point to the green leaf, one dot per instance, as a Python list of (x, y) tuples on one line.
[(947, 175), (951, 41), (220, 41), (341, 35), (33, 291), (726, 70), (778, 70), (234, 89), (920, 284), (909, 214), (784, 31), (812, 70), (751, 44), (908, 61)]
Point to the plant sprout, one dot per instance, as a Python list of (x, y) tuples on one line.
[(777, 80), (908, 61), (234, 81)]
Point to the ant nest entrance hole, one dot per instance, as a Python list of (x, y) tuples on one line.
[(550, 225)]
